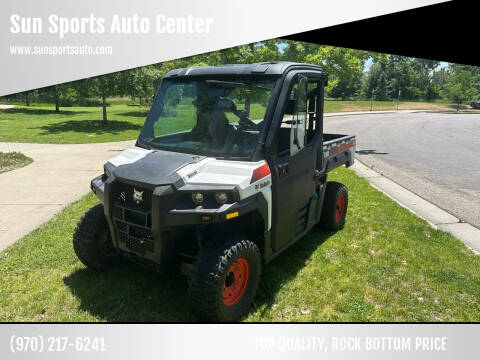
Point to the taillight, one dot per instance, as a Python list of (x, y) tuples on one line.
[(260, 173)]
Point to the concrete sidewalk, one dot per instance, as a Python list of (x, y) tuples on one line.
[(435, 216), (59, 175)]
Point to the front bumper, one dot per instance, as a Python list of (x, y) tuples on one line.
[(148, 232)]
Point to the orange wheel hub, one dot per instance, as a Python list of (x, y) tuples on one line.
[(339, 208), (236, 282)]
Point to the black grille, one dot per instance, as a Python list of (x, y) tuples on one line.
[(122, 236), (139, 245), (135, 238), (118, 212), (121, 226), (140, 233), (134, 228), (132, 218)]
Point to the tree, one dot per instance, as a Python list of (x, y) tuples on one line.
[(460, 86), (376, 82), (343, 66), (439, 79), (423, 69), (141, 83), (101, 86), (58, 93), (256, 52), (348, 88), (391, 74)]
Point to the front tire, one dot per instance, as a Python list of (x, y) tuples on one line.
[(225, 279), (335, 206), (92, 241)]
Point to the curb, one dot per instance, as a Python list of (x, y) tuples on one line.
[(435, 216), (349, 113)]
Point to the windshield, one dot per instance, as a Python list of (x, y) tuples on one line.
[(208, 117)]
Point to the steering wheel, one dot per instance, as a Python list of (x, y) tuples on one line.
[(244, 123)]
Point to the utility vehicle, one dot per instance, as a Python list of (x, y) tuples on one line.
[(229, 170)]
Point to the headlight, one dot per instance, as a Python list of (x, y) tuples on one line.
[(197, 198), (221, 197), (108, 168)]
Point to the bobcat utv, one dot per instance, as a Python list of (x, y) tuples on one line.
[(229, 170)]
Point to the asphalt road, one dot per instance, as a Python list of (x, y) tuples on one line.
[(434, 155)]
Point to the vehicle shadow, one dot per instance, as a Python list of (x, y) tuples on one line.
[(132, 293), (41, 111), (89, 126), (370, 152)]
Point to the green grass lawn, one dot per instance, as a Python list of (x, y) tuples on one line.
[(13, 160), (385, 265), (41, 124)]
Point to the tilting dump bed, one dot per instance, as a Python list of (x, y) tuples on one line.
[(338, 150)]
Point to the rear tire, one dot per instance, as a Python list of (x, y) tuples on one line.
[(335, 206), (225, 279), (92, 241)]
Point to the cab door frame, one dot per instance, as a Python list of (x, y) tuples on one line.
[(293, 175)]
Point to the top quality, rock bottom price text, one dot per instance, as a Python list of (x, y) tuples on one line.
[(351, 344)]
